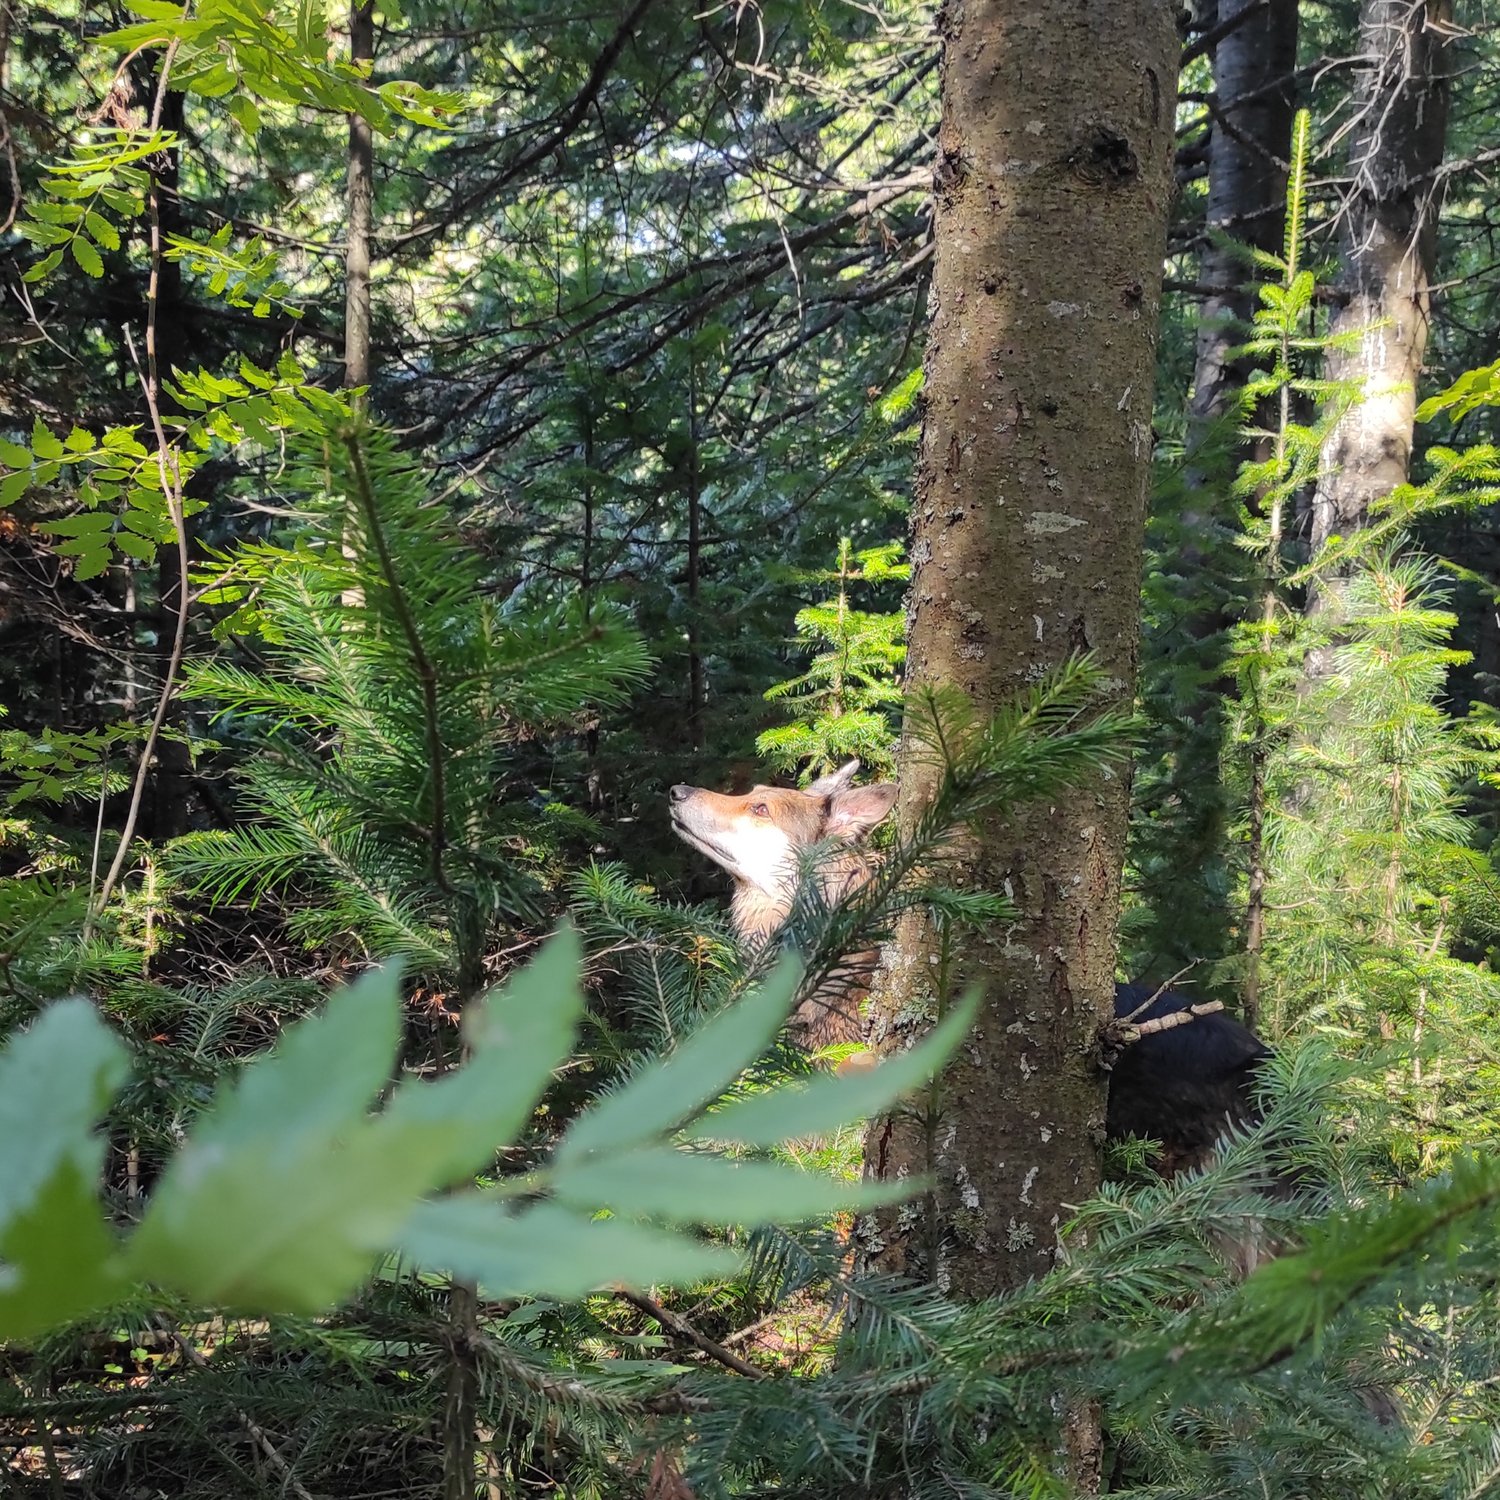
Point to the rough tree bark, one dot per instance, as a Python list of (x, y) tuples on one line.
[(1387, 238), (1053, 187)]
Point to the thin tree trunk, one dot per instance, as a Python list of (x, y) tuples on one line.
[(697, 688), (460, 1420), (460, 1408), (170, 783), (1253, 64), (586, 562), (359, 191), (1388, 235), (361, 206), (1255, 906), (1053, 187)]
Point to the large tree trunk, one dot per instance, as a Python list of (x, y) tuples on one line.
[(1052, 194), (1388, 233)]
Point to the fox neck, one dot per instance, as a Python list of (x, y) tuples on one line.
[(757, 912)]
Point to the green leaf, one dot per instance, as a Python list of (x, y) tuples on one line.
[(13, 486), (254, 376), (102, 230), (552, 1251), (42, 442), (519, 1035), (135, 546), (667, 1093), (93, 559), (85, 523), (823, 1104), (288, 1190), (121, 201), (44, 267), (55, 1081), (685, 1187), (14, 456), (56, 1256), (45, 234), (214, 81), (56, 213), (246, 115), (290, 1224), (87, 257), (150, 525)]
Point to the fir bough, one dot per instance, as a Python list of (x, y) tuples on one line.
[(843, 706), (391, 693)]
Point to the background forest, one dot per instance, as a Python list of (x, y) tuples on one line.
[(428, 433)]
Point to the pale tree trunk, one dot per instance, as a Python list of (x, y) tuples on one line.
[(360, 189), (359, 200), (1052, 194), (1387, 238)]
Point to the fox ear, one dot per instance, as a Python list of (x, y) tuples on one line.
[(852, 814), (835, 781)]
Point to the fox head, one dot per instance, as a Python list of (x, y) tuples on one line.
[(758, 838)]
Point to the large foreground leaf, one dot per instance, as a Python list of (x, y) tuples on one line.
[(55, 1248), (293, 1185)]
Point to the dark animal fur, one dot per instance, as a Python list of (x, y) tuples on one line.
[(1183, 1087)]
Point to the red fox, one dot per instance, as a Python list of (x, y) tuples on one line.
[(1182, 1086), (761, 839)]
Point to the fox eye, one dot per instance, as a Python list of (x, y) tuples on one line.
[(759, 810)]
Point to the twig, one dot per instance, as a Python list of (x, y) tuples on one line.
[(751, 1329), (171, 485), (1129, 1034), (1125, 1030), (680, 1326), (1161, 990), (257, 1433)]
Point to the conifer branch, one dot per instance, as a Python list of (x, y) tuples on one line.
[(421, 662)]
